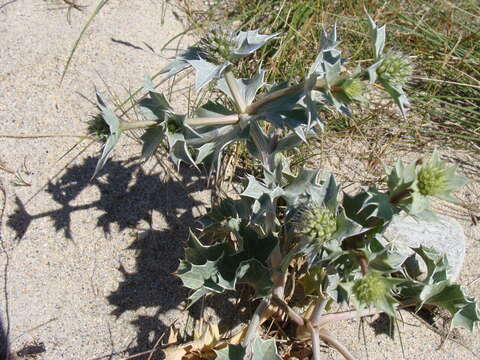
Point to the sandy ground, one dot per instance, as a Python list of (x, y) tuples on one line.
[(78, 277), (79, 273)]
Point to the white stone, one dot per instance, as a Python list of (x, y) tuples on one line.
[(445, 235)]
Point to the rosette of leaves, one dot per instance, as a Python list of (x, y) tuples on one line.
[(219, 267)]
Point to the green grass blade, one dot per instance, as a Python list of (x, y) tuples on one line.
[(100, 5)]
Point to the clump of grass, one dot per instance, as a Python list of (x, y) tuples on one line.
[(441, 38)]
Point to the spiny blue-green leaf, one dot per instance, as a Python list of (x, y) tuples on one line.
[(401, 177), (295, 119), (115, 131), (328, 52), (398, 96), (436, 263), (383, 258), (248, 87), (372, 71), (231, 352), (155, 107), (255, 188), (468, 316), (247, 42), (257, 275), (181, 63), (346, 227), (264, 349), (303, 187), (199, 254), (328, 194), (194, 276), (377, 36), (152, 138), (310, 105), (452, 297), (206, 71), (288, 142), (179, 150), (227, 216), (332, 71), (282, 104), (264, 207), (256, 246), (197, 295), (383, 208), (213, 109)]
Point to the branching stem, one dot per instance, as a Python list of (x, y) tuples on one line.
[(253, 108), (254, 323), (318, 310), (137, 124), (315, 341), (221, 120), (328, 338), (292, 314)]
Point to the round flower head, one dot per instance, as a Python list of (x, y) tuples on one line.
[(396, 68), (98, 128), (172, 126), (217, 45), (431, 180), (370, 289), (435, 178), (350, 90), (317, 223)]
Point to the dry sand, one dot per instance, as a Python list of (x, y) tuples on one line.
[(78, 275)]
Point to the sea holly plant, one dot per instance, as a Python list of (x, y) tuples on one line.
[(293, 229)]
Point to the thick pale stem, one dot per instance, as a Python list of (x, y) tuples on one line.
[(137, 124), (292, 314), (315, 341), (253, 108), (347, 315), (333, 342), (232, 85), (221, 120), (254, 323), (201, 121), (318, 311)]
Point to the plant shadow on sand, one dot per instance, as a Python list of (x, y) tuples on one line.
[(128, 196)]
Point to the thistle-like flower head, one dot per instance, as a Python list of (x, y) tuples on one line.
[(370, 289), (217, 45), (350, 90), (98, 128), (317, 223), (434, 178), (431, 180), (395, 68)]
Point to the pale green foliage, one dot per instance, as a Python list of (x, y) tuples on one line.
[(283, 216)]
